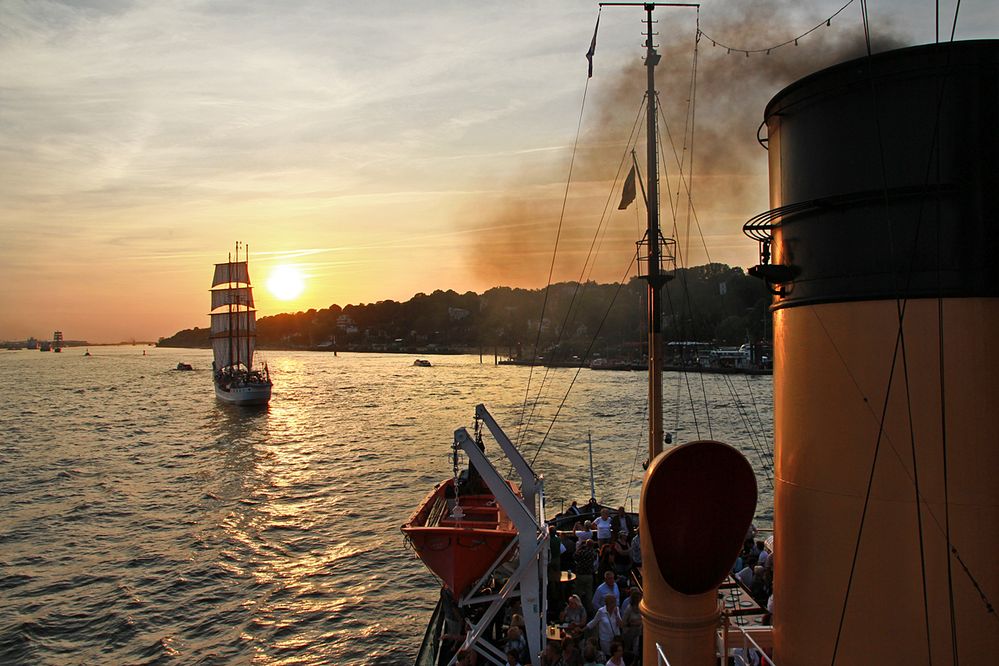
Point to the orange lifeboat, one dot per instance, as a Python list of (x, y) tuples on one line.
[(459, 540)]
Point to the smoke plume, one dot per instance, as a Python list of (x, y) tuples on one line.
[(729, 166)]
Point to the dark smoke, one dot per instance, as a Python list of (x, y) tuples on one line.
[(729, 184)]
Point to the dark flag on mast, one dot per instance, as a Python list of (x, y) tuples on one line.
[(593, 48), (628, 193)]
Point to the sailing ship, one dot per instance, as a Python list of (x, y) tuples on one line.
[(234, 335), (877, 250), (57, 341)]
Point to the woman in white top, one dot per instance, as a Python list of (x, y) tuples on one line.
[(604, 526)]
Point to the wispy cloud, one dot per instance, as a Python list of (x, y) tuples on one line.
[(138, 131)]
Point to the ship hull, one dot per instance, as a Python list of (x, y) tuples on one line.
[(459, 551), (257, 394)]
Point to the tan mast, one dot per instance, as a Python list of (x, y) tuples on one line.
[(685, 624)]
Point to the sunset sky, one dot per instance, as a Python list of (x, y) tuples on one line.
[(382, 149)]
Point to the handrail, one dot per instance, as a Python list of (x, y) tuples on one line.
[(748, 643)]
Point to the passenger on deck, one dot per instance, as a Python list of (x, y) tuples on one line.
[(515, 641), (607, 560), (635, 550), (592, 656), (571, 656), (555, 549), (622, 554), (573, 509), (621, 522), (631, 615), (607, 588), (604, 526), (738, 566), (581, 532), (607, 622), (583, 565), (762, 585), (763, 554), (552, 656), (512, 658), (617, 654), (574, 617)]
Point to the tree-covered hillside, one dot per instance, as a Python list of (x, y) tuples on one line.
[(711, 303)]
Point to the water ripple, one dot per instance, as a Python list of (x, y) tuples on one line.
[(142, 522)]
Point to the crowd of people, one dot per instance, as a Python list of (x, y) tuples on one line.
[(593, 613)]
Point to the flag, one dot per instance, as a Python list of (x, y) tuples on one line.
[(628, 193), (593, 48)]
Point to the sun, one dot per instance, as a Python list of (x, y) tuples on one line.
[(286, 282)]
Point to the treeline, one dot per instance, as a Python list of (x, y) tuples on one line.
[(711, 303)]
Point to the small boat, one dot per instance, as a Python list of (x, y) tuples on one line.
[(234, 336), (44, 346), (459, 535), (421, 363), (185, 366), (86, 353)]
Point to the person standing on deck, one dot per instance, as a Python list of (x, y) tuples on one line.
[(636, 551), (607, 588), (554, 570), (583, 561), (604, 526), (608, 623)]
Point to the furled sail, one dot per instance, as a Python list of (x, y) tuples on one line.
[(231, 271), (233, 296)]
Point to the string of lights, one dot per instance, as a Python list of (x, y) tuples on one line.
[(732, 49)]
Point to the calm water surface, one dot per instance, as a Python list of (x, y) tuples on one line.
[(143, 522)]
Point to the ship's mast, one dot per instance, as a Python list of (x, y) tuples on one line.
[(246, 253), (235, 297), (231, 324), (655, 277)]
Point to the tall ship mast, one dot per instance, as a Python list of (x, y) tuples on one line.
[(234, 335)]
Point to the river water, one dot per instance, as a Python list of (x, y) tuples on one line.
[(143, 522)]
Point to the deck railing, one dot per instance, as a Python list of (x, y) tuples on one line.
[(745, 650)]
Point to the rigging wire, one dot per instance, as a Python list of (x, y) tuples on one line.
[(638, 452), (582, 282), (681, 261), (766, 463), (767, 436), (551, 269), (575, 376), (763, 451), (690, 123), (794, 40), (674, 204), (901, 306)]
